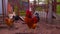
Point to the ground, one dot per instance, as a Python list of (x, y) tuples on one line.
[(42, 28)]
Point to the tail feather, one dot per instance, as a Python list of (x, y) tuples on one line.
[(21, 19)]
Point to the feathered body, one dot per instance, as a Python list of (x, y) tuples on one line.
[(30, 21), (9, 22)]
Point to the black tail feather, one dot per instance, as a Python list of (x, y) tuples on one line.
[(17, 18), (21, 19)]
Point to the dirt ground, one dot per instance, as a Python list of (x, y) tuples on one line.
[(42, 28)]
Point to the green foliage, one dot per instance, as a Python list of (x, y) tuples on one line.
[(38, 8), (58, 0), (15, 8), (22, 12), (58, 9)]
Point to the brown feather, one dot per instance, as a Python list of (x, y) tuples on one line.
[(9, 22)]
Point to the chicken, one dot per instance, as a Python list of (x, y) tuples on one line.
[(9, 22), (31, 22)]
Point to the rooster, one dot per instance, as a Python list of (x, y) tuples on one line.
[(30, 20)]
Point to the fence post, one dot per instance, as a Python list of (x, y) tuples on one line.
[(50, 12)]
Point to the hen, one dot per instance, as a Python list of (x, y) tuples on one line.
[(9, 22)]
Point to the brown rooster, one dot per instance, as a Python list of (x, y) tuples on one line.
[(31, 22)]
